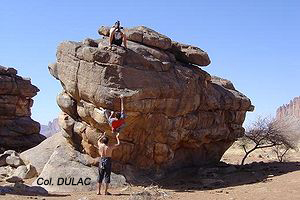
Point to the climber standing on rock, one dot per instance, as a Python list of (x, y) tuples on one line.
[(105, 152), (117, 123), (116, 36)]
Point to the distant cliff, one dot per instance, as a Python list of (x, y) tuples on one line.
[(50, 129), (292, 108)]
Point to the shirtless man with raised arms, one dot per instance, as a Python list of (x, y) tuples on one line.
[(105, 152)]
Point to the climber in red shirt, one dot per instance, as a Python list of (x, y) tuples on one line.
[(117, 123)]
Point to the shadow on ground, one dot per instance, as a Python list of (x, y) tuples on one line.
[(26, 190), (224, 175)]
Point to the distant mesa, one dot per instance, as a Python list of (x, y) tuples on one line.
[(290, 109), (17, 130), (50, 129)]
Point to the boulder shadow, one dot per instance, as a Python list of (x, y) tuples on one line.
[(21, 189), (224, 175)]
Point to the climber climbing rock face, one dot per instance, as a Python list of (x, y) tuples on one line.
[(117, 123), (105, 152), (116, 35)]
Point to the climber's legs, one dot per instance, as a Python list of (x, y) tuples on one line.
[(99, 188), (105, 189)]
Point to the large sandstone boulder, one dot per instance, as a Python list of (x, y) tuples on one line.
[(17, 130), (178, 115)]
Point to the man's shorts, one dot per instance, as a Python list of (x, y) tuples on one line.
[(117, 42), (104, 170)]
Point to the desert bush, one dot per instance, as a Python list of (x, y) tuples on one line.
[(280, 134), (281, 152)]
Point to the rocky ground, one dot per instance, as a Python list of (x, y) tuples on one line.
[(262, 178)]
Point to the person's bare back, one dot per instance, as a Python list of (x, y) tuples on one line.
[(105, 150)]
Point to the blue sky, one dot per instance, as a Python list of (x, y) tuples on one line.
[(254, 43)]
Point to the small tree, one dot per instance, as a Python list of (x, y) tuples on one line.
[(281, 134), (289, 128), (281, 152)]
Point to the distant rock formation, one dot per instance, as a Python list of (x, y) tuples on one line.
[(178, 115), (17, 130), (290, 109), (50, 129)]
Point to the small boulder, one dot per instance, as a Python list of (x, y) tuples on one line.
[(14, 161), (23, 189), (14, 179), (149, 37), (25, 172), (10, 152), (190, 54), (67, 104), (104, 30), (90, 42), (4, 155), (6, 171), (3, 159)]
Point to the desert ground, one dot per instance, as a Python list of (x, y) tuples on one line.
[(262, 178)]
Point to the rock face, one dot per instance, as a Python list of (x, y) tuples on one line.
[(17, 130), (290, 109), (178, 115), (50, 129)]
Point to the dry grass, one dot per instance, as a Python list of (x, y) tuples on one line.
[(149, 193)]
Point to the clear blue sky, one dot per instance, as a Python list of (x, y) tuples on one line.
[(253, 43)]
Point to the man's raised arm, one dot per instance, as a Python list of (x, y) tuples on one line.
[(111, 34), (125, 40), (99, 140)]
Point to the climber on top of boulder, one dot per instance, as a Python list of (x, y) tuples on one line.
[(116, 36), (117, 123)]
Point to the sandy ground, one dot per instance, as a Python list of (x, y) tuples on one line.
[(260, 181)]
